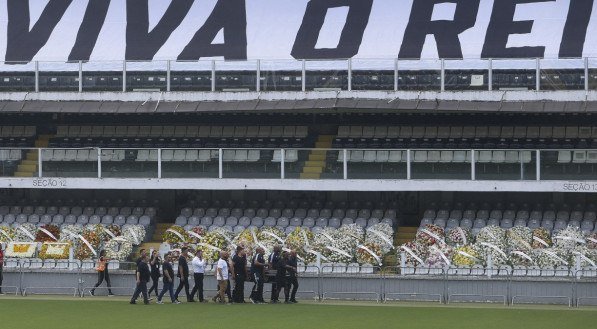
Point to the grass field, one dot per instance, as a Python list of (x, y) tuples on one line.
[(90, 313)]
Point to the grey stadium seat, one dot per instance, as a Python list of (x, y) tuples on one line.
[(194, 220)]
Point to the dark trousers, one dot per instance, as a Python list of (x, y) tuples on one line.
[(1, 277), (257, 291), (239, 289), (184, 284), (291, 281), (274, 294), (198, 288), (154, 287), (279, 286), (168, 286), (141, 289), (101, 276)]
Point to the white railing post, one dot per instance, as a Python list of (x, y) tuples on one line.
[(80, 76), (39, 162), (124, 76), (220, 164), (586, 74), (538, 75), (258, 76), (344, 164), (395, 74), (282, 163), (443, 75), (349, 74), (538, 164), (304, 76), (473, 167), (408, 165), (159, 163), (213, 75), (490, 75), (36, 76), (168, 75), (99, 162)]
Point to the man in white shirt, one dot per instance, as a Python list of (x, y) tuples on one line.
[(222, 277), (198, 264)]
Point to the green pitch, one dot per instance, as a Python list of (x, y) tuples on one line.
[(90, 313)]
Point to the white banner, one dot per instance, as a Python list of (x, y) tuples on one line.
[(293, 29), (48, 233)]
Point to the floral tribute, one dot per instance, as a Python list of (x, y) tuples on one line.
[(430, 234), (48, 233), (196, 234), (89, 244), (301, 240), (439, 256), (382, 235), (569, 238), (466, 256), (25, 232), (69, 233), (415, 253), (175, 235), (212, 244), (592, 240), (55, 250), (541, 238), (268, 237), (369, 253), (134, 233), (21, 250), (111, 231), (7, 234), (551, 257), (519, 237), (459, 236), (118, 248)]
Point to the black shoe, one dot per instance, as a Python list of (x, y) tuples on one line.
[(111, 295), (191, 301), (293, 301), (274, 302), (92, 293), (132, 302)]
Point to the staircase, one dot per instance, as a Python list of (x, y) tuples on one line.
[(315, 165), (405, 234), (156, 239), (28, 167)]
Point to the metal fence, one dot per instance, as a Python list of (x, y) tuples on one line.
[(388, 284)]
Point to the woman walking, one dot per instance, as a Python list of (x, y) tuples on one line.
[(102, 273), (154, 265)]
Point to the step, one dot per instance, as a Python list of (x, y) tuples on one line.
[(32, 155), (310, 176), (402, 241), (406, 235), (316, 157), (319, 152), (27, 168), (323, 145), (23, 174), (325, 138), (314, 163), (42, 143), (408, 229), (29, 162), (312, 170)]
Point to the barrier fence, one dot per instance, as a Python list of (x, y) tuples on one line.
[(442, 285)]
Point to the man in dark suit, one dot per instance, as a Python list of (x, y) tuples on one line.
[(143, 276), (183, 274)]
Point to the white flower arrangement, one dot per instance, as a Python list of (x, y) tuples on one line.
[(134, 233), (335, 246), (25, 232), (268, 237), (519, 238), (381, 234), (497, 251), (118, 248), (430, 234), (569, 238), (459, 236), (551, 257), (492, 234), (414, 252), (69, 233), (21, 249), (353, 231), (439, 256), (522, 257)]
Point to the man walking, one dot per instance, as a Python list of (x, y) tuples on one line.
[(143, 276), (183, 274), (198, 264), (239, 273), (222, 277), (258, 273), (168, 280), (274, 258), (292, 280)]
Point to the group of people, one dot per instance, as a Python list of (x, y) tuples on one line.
[(280, 270)]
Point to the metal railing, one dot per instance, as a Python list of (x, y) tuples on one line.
[(288, 163), (569, 287), (303, 75)]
